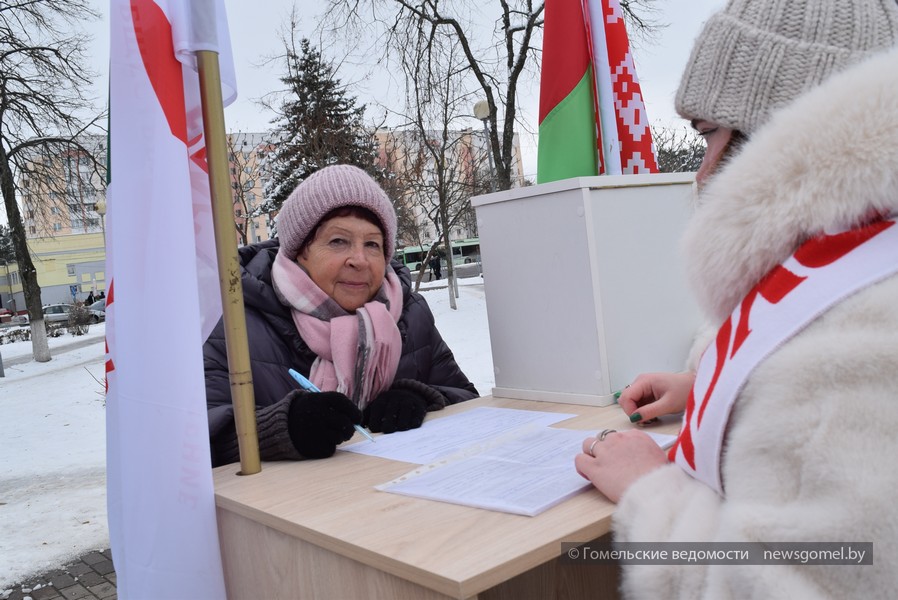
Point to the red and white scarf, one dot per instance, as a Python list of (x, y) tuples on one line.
[(357, 353), (821, 273)]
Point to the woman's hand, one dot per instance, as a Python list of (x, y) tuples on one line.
[(395, 410), (654, 394), (319, 422), (616, 462)]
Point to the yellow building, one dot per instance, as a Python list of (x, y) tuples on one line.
[(11, 297), (69, 267)]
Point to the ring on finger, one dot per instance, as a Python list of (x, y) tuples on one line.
[(591, 446), (604, 433)]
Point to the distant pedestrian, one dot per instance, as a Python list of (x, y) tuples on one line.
[(435, 266), (90, 299)]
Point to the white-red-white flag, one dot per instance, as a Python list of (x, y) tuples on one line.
[(626, 137), (163, 299)]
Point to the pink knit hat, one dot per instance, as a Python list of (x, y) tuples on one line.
[(332, 187)]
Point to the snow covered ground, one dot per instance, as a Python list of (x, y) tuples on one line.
[(53, 467)]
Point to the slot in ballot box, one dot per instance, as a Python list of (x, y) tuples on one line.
[(585, 284)]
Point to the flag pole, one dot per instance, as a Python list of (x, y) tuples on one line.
[(228, 266)]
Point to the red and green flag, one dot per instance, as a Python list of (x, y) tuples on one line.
[(590, 32), (567, 108)]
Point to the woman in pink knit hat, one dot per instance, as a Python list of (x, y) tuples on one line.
[(326, 300)]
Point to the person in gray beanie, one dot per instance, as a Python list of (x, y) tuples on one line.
[(754, 57), (788, 406), (325, 299)]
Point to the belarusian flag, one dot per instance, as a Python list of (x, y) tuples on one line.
[(163, 299), (567, 114), (592, 116)]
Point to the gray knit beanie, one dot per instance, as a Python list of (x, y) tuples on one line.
[(332, 187), (758, 55)]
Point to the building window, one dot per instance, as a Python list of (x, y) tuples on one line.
[(71, 270), (57, 226)]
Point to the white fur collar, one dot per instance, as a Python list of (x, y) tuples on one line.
[(824, 163)]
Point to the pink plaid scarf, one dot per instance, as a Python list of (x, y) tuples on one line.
[(357, 353)]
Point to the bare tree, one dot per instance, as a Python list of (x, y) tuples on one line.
[(244, 152), (441, 164), (678, 150), (42, 83), (499, 41)]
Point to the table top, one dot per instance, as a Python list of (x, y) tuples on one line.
[(454, 549)]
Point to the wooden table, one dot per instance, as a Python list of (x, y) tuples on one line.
[(319, 529)]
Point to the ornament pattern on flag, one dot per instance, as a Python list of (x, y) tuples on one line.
[(821, 273), (637, 153)]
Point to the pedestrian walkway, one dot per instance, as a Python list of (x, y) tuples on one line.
[(90, 577)]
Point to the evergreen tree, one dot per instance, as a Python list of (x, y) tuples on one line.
[(318, 125), (7, 252)]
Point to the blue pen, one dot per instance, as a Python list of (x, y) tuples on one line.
[(306, 384)]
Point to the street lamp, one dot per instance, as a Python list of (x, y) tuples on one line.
[(101, 210), (482, 112)]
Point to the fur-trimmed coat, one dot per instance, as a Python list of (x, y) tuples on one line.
[(811, 445)]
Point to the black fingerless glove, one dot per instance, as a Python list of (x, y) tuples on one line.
[(319, 421), (395, 410)]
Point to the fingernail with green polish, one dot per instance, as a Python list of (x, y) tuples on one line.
[(617, 394), (635, 418)]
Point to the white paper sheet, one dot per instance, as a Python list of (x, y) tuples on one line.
[(467, 431), (528, 472)]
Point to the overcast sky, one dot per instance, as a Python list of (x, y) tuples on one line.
[(659, 62), (255, 25)]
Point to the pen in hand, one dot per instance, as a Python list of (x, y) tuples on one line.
[(308, 385)]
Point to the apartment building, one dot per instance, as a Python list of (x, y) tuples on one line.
[(63, 200)]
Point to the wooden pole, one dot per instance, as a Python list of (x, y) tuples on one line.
[(228, 265)]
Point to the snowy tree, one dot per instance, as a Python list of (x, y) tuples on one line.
[(7, 252), (318, 124)]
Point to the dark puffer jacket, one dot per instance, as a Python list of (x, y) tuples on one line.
[(275, 346)]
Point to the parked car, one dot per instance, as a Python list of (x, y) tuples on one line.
[(59, 313), (99, 306)]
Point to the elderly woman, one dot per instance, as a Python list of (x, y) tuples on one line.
[(791, 416), (325, 299)]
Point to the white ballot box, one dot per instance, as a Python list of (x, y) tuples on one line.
[(585, 284)]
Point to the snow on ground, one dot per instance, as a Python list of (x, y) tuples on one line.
[(53, 471), (53, 467)]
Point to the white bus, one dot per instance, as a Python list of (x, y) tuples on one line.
[(464, 251)]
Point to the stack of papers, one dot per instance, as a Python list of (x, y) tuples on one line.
[(499, 459)]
